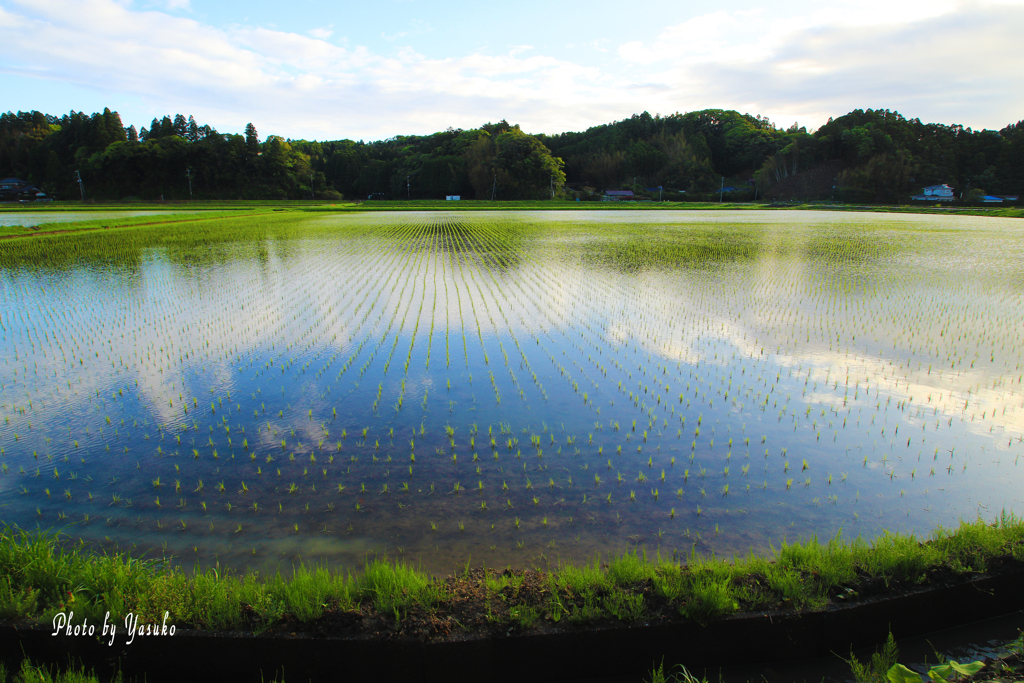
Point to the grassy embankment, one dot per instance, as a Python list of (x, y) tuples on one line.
[(40, 576), (560, 205), (475, 205), (170, 206)]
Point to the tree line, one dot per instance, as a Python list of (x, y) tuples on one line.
[(882, 157)]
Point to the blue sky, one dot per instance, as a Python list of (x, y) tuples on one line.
[(330, 70)]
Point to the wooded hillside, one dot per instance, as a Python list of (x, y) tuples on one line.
[(876, 156)]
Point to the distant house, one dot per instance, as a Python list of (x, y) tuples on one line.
[(16, 189), (618, 195), (453, 197), (935, 193), (995, 199)]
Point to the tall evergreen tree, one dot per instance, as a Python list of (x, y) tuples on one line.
[(252, 139)]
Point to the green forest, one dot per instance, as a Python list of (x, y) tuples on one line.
[(866, 156)]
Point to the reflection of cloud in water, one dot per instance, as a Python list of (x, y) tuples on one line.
[(786, 307), (955, 395), (276, 330)]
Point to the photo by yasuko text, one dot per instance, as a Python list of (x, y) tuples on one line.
[(63, 626)]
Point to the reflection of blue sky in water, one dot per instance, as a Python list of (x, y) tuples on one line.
[(891, 375)]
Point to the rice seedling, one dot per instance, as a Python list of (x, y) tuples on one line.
[(495, 315)]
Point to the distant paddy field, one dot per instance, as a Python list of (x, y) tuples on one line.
[(510, 388), (35, 218)]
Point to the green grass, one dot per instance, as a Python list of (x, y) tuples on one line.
[(40, 576), (678, 674), (486, 205), (394, 588), (875, 670), (40, 673), (534, 205), (32, 673), (144, 205)]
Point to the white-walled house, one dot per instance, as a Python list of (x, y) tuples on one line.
[(935, 193)]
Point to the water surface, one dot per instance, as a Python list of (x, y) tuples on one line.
[(511, 388)]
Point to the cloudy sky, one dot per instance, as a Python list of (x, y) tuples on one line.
[(321, 69)]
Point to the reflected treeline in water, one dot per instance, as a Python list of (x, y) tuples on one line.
[(518, 388)]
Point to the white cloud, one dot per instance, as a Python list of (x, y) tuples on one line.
[(939, 69), (720, 35), (938, 64), (286, 81), (9, 21), (942, 63), (321, 33)]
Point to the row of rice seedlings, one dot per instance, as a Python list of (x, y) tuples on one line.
[(495, 291), (654, 372)]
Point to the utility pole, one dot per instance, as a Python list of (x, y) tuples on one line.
[(311, 195), (408, 188), (721, 191), (659, 192), (494, 187), (188, 172), (81, 185), (552, 187)]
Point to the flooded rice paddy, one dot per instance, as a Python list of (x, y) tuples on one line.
[(510, 388), (8, 219)]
